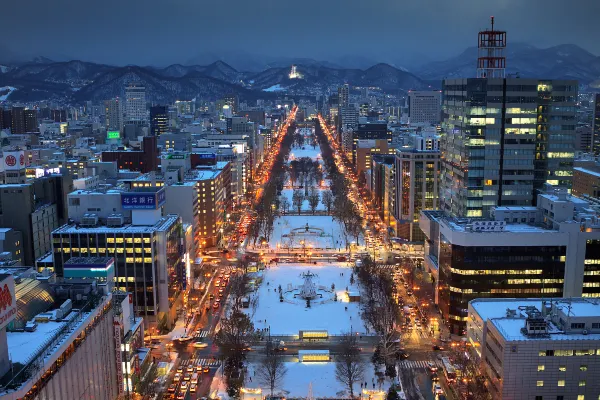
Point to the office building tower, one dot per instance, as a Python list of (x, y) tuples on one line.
[(159, 120), (113, 111), (550, 250), (6, 118), (17, 125), (416, 185), (536, 348), (59, 115), (503, 140), (148, 252), (344, 96), (348, 117), (424, 107), (30, 121), (135, 102), (377, 133), (382, 185), (143, 160), (596, 125)]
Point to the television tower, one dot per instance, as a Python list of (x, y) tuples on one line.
[(491, 62)]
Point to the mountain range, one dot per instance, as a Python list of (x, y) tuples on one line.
[(77, 81)]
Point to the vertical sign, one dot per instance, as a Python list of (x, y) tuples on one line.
[(119, 356)]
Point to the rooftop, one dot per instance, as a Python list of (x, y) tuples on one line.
[(162, 224), (587, 171)]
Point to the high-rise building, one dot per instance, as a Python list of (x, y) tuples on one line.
[(416, 184), (503, 139), (344, 96), (144, 160), (374, 131), (113, 111), (30, 121), (232, 100), (550, 250), (60, 115), (159, 120), (17, 125), (6, 119), (424, 107), (596, 125), (135, 102)]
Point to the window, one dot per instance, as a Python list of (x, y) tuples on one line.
[(581, 383), (562, 368), (580, 397), (540, 383), (583, 367), (541, 368), (577, 326), (561, 383)]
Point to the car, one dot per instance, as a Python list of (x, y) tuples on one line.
[(216, 305), (187, 377), (199, 369), (434, 376), (437, 389), (200, 345), (177, 377), (181, 396), (193, 388), (190, 369), (431, 366), (179, 370), (409, 292), (436, 347), (184, 386), (172, 388), (206, 370), (403, 355)]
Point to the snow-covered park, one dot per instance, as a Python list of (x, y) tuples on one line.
[(291, 316)]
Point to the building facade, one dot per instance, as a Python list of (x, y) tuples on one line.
[(424, 107), (503, 139), (159, 120), (135, 102), (596, 126)]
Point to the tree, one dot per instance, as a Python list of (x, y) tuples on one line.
[(313, 200), (271, 369), (284, 203), (235, 334), (327, 200), (297, 199), (392, 394), (349, 366)]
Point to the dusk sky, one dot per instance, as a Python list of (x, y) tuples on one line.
[(162, 32)]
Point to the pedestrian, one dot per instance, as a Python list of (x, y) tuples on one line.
[(251, 381)]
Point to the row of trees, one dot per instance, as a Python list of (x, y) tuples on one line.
[(380, 311), (306, 171)]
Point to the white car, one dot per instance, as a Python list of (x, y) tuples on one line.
[(437, 389), (200, 345)]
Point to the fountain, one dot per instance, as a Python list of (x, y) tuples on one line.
[(308, 290)]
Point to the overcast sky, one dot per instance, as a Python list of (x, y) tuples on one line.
[(161, 32)]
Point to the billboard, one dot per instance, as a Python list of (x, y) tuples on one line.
[(207, 155), (113, 134), (8, 301), (143, 200), (14, 160)]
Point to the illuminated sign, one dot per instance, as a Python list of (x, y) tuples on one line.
[(14, 160), (313, 335), (143, 200), (208, 155), (176, 157), (39, 172), (113, 134), (8, 301), (313, 355)]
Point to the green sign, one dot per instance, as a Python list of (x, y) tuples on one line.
[(113, 135)]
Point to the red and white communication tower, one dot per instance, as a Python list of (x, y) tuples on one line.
[(491, 62)]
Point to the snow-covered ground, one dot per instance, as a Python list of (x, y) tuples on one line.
[(332, 238), (274, 88), (288, 318), (306, 151), (6, 91), (321, 376), (289, 193)]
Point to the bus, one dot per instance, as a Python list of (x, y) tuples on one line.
[(449, 370)]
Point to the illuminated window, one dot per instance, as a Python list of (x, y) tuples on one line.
[(110, 240), (561, 383), (583, 367), (540, 383), (581, 383), (541, 368)]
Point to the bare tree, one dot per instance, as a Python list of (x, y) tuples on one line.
[(349, 366), (235, 334), (313, 200), (284, 203), (271, 369), (327, 200), (298, 199)]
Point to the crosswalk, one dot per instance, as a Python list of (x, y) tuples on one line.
[(413, 364), (203, 362), (202, 334)]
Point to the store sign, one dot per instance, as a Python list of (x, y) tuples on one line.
[(8, 301), (40, 172), (14, 160), (207, 155), (113, 135), (119, 356), (143, 200)]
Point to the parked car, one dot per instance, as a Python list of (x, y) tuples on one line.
[(200, 345)]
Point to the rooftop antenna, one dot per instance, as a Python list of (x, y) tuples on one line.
[(491, 61)]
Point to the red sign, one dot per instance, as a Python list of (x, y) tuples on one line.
[(11, 161), (22, 159), (5, 298)]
